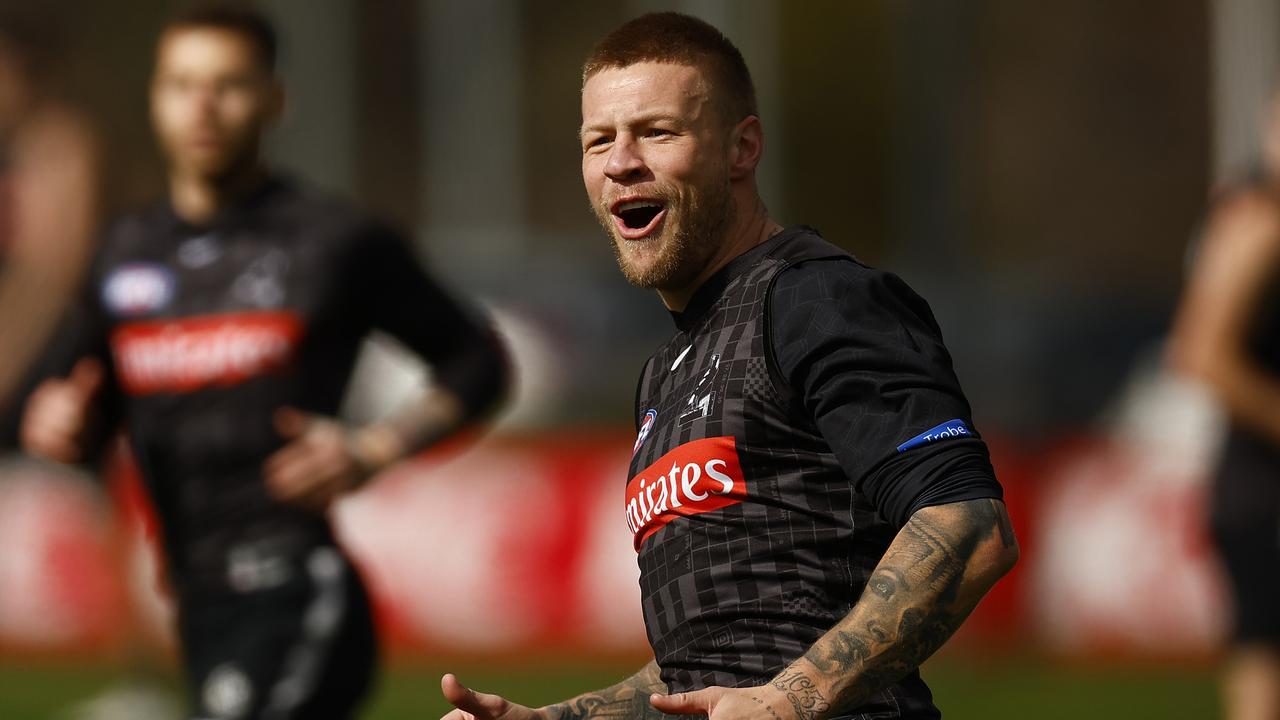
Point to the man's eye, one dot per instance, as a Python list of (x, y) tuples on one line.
[(597, 142), (658, 132), (234, 85)]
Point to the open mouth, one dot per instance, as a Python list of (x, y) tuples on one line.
[(637, 218)]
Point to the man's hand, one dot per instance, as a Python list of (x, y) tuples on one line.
[(58, 413), (785, 698), (321, 461), (716, 703), (472, 705)]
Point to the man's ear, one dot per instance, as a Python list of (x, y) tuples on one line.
[(747, 147)]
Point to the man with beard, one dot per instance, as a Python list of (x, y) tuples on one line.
[(813, 510), (220, 326)]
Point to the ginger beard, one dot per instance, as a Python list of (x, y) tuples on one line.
[(670, 257)]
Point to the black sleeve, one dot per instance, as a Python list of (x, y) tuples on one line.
[(463, 349), (864, 358)]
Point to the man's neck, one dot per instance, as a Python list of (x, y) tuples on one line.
[(749, 230), (197, 199)]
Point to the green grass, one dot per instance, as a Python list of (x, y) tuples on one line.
[(963, 689), (1040, 691)]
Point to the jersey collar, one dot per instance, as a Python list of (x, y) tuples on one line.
[(232, 213), (710, 291)]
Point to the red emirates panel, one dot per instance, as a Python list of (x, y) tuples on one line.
[(186, 354), (695, 478)]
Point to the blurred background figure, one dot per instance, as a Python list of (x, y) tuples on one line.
[(218, 327), (49, 194), (1227, 336)]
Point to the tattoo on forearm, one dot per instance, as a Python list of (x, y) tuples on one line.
[(803, 695), (628, 700), (912, 603), (886, 582)]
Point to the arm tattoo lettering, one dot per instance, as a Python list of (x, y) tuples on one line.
[(803, 695)]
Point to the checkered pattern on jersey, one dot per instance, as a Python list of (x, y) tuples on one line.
[(732, 596)]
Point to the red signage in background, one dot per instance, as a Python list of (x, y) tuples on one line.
[(59, 585), (1124, 565), (513, 547), (501, 549)]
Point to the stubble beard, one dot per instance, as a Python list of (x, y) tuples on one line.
[(694, 229), (238, 161)]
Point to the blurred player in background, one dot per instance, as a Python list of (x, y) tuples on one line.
[(1227, 335), (48, 199), (813, 510), (220, 327)]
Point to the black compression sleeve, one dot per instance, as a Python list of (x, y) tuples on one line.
[(464, 351), (865, 358)]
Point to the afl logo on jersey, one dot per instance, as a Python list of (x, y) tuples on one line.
[(138, 288), (645, 426)]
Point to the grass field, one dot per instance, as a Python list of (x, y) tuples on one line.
[(1026, 689)]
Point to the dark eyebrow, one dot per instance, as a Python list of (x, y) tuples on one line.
[(641, 120)]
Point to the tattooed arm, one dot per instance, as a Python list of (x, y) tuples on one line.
[(932, 576), (627, 700)]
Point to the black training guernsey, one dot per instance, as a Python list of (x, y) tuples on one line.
[(207, 331), (804, 409)]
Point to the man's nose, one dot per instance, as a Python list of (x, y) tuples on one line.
[(204, 101), (625, 162)]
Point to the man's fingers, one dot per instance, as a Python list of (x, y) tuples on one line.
[(52, 425), (315, 497), (698, 702), (86, 377), (453, 689), (286, 457), (57, 424), (52, 447), (291, 422), (293, 476), (480, 705), (57, 406)]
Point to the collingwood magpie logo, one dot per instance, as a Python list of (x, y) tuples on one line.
[(703, 398), (262, 282)]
